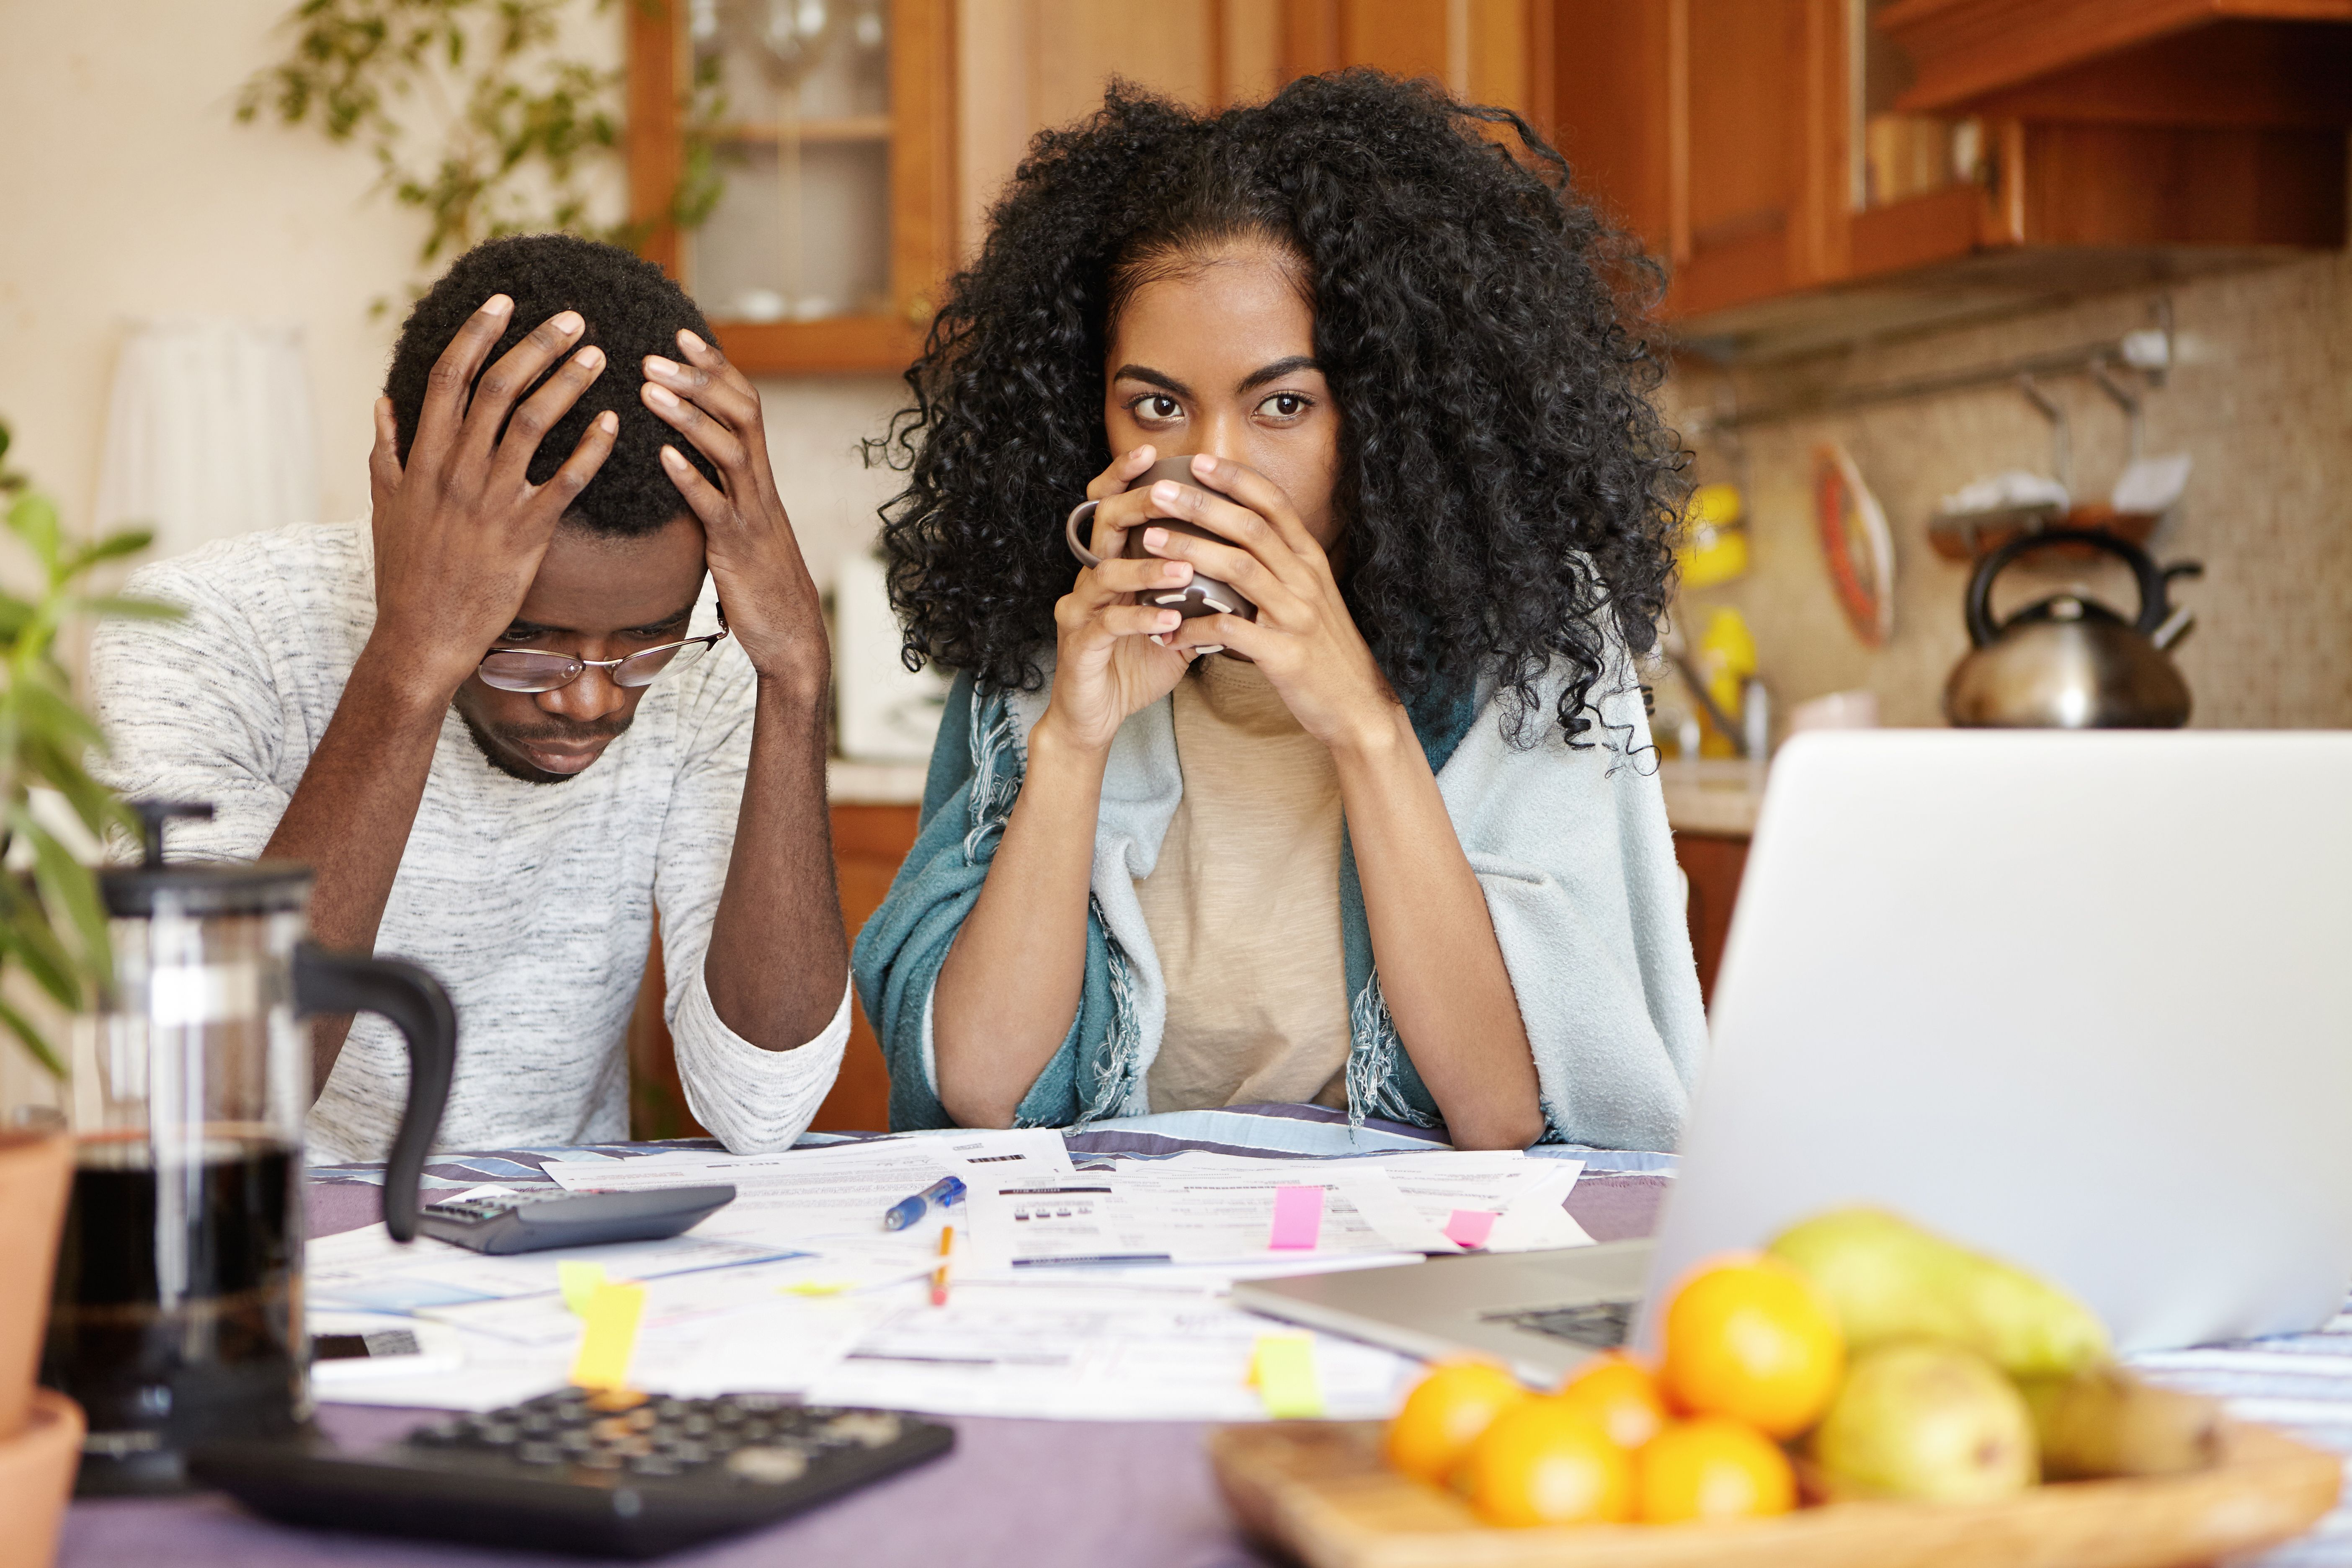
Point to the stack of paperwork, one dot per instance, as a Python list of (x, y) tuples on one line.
[(1093, 1290)]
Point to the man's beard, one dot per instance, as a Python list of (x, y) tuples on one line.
[(514, 768)]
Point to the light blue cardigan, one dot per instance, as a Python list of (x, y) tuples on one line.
[(1569, 845)]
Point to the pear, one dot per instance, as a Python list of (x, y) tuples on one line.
[(2106, 1422), (1925, 1421), (1892, 1282)]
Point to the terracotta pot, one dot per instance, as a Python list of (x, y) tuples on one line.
[(36, 1477), (35, 1168)]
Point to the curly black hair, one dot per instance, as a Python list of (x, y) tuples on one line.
[(631, 311), (1504, 481)]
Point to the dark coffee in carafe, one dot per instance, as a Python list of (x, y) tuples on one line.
[(178, 1311), (177, 1317)]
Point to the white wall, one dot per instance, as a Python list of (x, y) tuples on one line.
[(131, 191)]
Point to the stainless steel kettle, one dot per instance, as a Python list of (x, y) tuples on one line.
[(2068, 662)]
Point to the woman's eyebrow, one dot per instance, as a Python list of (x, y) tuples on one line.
[(1276, 371), (1159, 378)]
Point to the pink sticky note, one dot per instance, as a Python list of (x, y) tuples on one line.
[(1297, 1218), (1470, 1227)]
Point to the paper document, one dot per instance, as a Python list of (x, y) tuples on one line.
[(840, 1189), (366, 1270), (1178, 1213), (732, 1330), (1089, 1289), (1524, 1195), (1095, 1354)]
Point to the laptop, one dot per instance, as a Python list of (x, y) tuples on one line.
[(2079, 1000)]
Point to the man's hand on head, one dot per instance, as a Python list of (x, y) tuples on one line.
[(755, 559), (459, 529)]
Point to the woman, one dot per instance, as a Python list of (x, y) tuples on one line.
[(1402, 854)]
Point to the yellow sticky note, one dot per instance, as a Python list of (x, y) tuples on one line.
[(609, 1337), (814, 1288), (579, 1281), (1282, 1369)]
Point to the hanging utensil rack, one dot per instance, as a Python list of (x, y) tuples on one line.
[(2148, 353)]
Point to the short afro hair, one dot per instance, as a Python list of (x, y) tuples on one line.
[(631, 311)]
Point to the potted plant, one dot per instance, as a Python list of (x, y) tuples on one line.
[(53, 931)]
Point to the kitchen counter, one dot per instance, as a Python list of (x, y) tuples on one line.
[(873, 784), (1707, 795), (1713, 795)]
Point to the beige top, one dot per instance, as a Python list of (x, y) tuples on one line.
[(1244, 904)]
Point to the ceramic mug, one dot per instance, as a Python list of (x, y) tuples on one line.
[(1203, 595)]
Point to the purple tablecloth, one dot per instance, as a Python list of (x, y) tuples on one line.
[(1086, 1494)]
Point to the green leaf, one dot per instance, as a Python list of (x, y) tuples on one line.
[(49, 715), (114, 547), (34, 519), (68, 886), (30, 938), (32, 1040)]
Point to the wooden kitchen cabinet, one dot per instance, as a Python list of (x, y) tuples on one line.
[(869, 843), (1714, 864), (1810, 182), (835, 219)]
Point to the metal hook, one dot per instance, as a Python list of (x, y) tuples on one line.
[(2134, 419), (2062, 439)]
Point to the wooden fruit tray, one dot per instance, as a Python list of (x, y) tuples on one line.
[(1319, 1491)]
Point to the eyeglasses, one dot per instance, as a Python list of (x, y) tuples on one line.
[(522, 670)]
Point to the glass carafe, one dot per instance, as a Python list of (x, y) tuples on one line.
[(177, 1311)]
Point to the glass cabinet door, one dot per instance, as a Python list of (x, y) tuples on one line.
[(801, 228), (823, 126)]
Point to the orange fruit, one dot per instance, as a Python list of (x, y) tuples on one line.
[(1444, 1414), (1624, 1394), (1547, 1461), (1755, 1340), (1712, 1467)]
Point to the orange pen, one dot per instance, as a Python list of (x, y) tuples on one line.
[(940, 1275)]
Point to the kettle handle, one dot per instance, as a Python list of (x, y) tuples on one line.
[(328, 982), (2153, 605)]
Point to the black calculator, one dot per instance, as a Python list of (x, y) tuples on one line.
[(506, 1225), (606, 1474)]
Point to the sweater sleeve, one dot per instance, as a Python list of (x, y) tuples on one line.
[(192, 711), (753, 1101)]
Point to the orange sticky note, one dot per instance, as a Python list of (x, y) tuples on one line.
[(609, 1336)]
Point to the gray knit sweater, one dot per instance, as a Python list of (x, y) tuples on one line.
[(533, 904)]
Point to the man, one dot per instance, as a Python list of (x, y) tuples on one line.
[(502, 726)]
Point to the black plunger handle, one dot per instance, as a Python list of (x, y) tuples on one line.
[(2153, 603), (153, 814), (354, 983)]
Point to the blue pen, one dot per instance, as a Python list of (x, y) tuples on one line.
[(906, 1211)]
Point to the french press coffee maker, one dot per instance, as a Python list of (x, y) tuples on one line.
[(177, 1312)]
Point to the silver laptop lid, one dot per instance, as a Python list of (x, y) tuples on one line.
[(2083, 1000)]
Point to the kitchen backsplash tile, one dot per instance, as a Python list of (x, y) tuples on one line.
[(2262, 399)]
